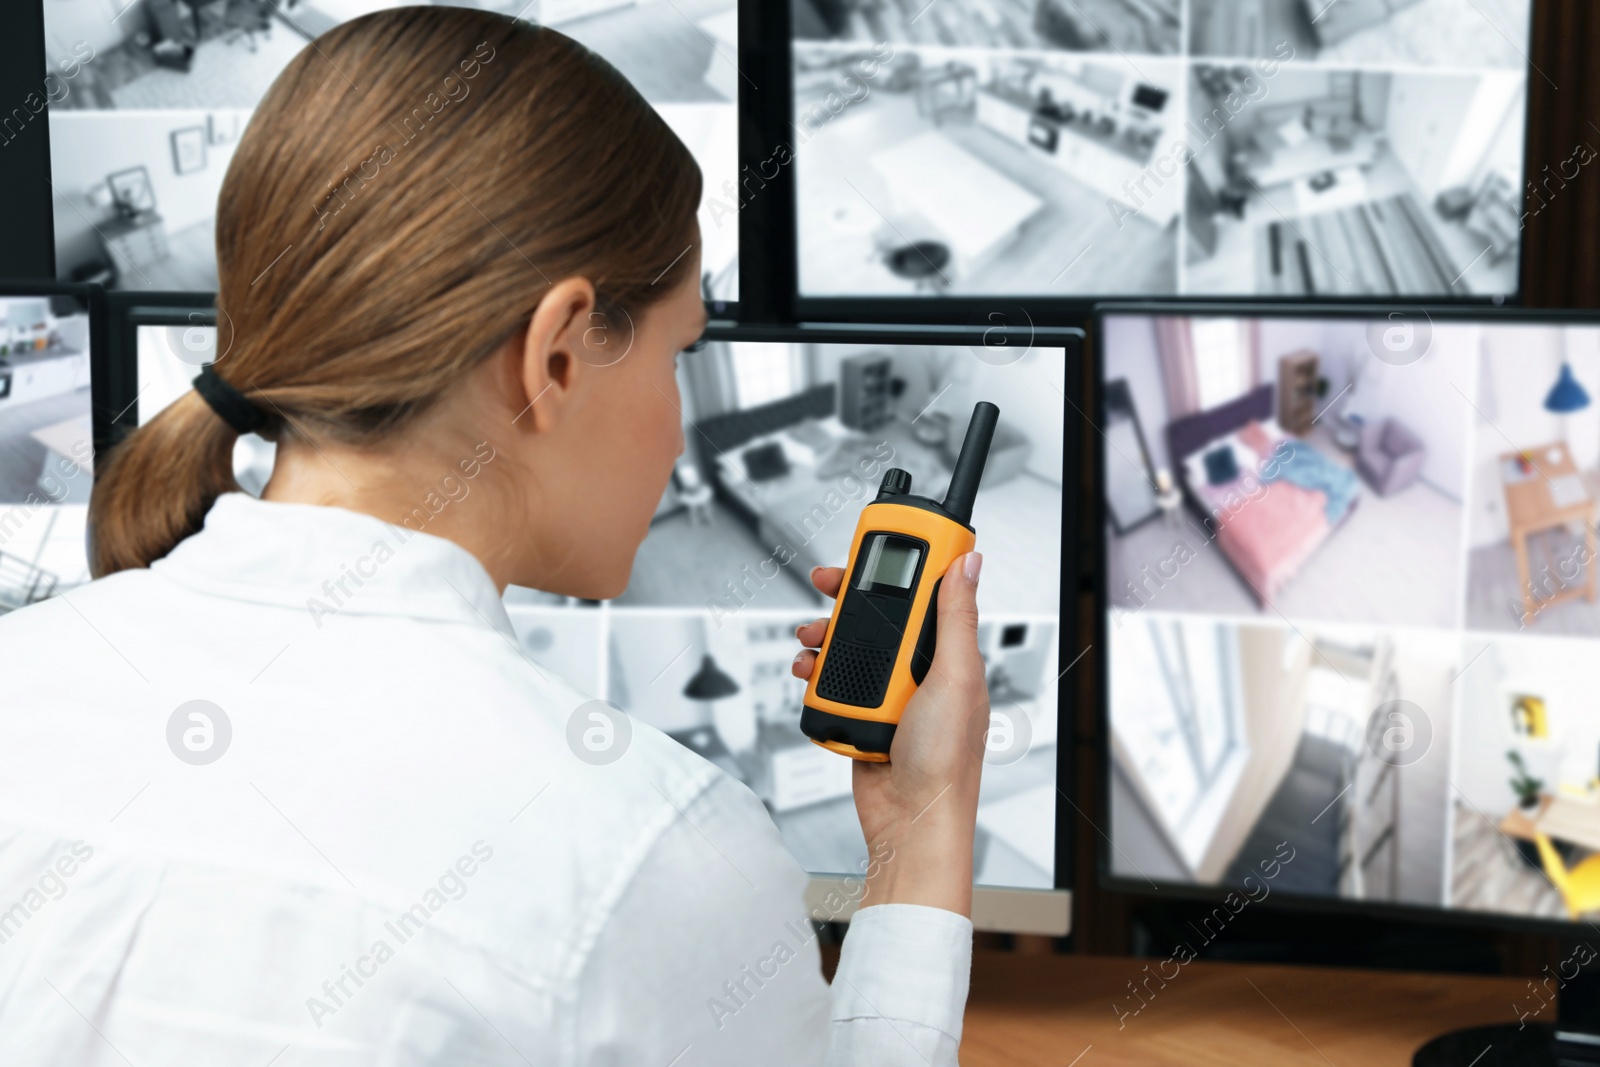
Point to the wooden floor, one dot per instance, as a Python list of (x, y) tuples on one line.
[(1489, 874), (1493, 587), (21, 457)]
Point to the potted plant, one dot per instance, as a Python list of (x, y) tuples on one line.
[(1528, 790), (1526, 786)]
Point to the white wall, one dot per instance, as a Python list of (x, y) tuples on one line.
[(711, 133), (1031, 396), (1430, 398), (101, 24), (1440, 125), (1425, 667), (1496, 94), (85, 146), (1130, 352), (1520, 364), (1551, 669)]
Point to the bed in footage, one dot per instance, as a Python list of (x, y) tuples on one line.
[(1258, 467)]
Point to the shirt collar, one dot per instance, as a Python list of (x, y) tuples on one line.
[(331, 561)]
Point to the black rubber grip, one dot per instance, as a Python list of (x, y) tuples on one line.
[(922, 655), (866, 735)]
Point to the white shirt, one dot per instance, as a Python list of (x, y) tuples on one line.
[(397, 858)]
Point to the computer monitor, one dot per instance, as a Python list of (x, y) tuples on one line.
[(788, 433), (50, 355), (1060, 149), (1348, 581), (148, 101)]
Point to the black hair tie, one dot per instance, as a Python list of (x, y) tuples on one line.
[(232, 406)]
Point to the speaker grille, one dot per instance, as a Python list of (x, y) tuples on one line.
[(855, 674)]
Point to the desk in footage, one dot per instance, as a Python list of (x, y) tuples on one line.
[(1042, 1011)]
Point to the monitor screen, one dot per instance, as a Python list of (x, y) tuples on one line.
[(1350, 579), (149, 97), (46, 446), (784, 444), (1058, 148)]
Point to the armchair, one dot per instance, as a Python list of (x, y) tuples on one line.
[(1389, 456)]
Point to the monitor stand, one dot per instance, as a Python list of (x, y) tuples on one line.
[(1505, 1045), (1570, 1039)]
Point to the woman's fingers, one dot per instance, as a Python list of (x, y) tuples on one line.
[(804, 663), (812, 633), (827, 580)]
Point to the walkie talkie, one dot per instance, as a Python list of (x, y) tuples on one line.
[(880, 640)]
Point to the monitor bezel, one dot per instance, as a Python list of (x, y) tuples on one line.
[(1096, 580)]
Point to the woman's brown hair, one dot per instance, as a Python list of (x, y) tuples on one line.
[(404, 195)]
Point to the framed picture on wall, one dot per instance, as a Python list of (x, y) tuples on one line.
[(189, 149), (131, 191)]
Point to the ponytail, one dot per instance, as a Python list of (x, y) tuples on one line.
[(158, 485), (400, 202)]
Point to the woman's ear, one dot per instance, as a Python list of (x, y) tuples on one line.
[(550, 357)]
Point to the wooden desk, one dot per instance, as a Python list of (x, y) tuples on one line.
[(1531, 508), (1042, 1011), (1559, 817)]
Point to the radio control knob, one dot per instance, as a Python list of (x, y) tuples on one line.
[(896, 482)]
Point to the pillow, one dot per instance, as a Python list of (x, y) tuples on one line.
[(1222, 465), (763, 463), (1197, 469)]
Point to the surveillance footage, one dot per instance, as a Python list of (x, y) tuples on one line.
[(1291, 148), (148, 99), (1352, 594), (46, 448)]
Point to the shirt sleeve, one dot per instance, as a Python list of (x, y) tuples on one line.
[(708, 956)]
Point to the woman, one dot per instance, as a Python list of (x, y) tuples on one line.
[(279, 787)]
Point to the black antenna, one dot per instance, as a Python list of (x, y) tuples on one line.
[(969, 465)]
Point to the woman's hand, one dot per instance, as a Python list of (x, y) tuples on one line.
[(918, 810)]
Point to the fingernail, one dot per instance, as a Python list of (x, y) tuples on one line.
[(972, 565), (815, 569), (798, 656)]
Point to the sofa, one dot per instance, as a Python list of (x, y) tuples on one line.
[(1389, 456)]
